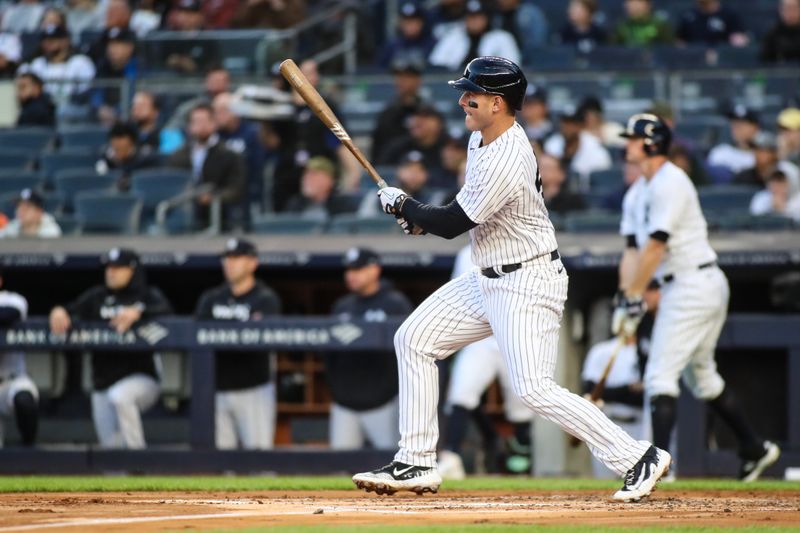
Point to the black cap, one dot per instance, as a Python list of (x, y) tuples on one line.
[(360, 257), (475, 7), (190, 5), (571, 113), (411, 10), (31, 196), (427, 110), (406, 63), (120, 34), (536, 93), (764, 140), (54, 31), (742, 112), (414, 156), (239, 247), (591, 103), (121, 257)]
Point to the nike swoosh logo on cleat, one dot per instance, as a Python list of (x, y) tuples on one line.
[(397, 472)]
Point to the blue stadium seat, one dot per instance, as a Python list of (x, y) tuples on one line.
[(287, 223), (673, 57), (771, 223), (73, 181), (592, 222), (27, 139), (104, 212), (92, 137), (617, 58), (154, 186), (52, 162), (69, 224), (551, 58), (8, 203), (14, 182), (726, 198), (606, 180), (738, 57), (349, 224), (11, 159)]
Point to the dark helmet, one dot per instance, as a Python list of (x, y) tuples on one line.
[(494, 75), (655, 132)]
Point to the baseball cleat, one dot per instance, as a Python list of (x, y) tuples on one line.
[(398, 476), (752, 469), (640, 481)]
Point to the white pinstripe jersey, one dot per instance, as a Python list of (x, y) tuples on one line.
[(669, 203), (13, 363), (502, 194)]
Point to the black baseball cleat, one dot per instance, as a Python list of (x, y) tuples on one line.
[(753, 468), (640, 481), (399, 476)]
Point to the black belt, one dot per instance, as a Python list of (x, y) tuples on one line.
[(508, 269), (671, 277)]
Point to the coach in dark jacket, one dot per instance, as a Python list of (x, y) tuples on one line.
[(213, 164), (124, 383)]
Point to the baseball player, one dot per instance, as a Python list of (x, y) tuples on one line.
[(245, 402), (19, 396), (125, 384), (475, 368), (364, 385), (666, 238), (516, 292)]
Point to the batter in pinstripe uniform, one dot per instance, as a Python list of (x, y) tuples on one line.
[(516, 292)]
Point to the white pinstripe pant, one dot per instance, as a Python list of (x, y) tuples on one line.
[(523, 310)]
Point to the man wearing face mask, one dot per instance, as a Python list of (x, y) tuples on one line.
[(124, 383)]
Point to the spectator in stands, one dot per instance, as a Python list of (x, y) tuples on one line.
[(782, 43), (557, 198), (777, 198), (10, 54), (31, 219), (581, 30), (536, 114), (744, 127), (279, 14), (427, 135), (789, 135), (711, 24), (116, 22), (411, 176), (393, 121), (318, 199), (124, 155), (445, 15), (146, 17), (217, 81), (475, 37), (641, 27), (145, 114), (213, 166), (118, 62), (454, 152), (82, 16), (591, 108), (766, 162), (363, 385), (243, 138), (525, 21), (35, 106), (53, 16), (218, 14), (245, 400), (413, 42), (577, 149), (23, 16), (192, 55), (66, 75), (19, 397), (124, 384)]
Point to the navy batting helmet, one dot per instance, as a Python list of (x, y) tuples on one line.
[(494, 75), (655, 132)]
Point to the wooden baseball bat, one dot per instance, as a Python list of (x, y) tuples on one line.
[(600, 386), (296, 79)]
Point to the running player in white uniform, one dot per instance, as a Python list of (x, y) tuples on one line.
[(666, 238), (517, 292)]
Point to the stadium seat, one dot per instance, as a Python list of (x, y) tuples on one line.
[(673, 57), (104, 212), (738, 57), (344, 224), (27, 139), (606, 180), (617, 58), (156, 185), (551, 58), (74, 181), (592, 222), (287, 223), (52, 162), (771, 223), (11, 159), (726, 198), (69, 224), (92, 137), (14, 182)]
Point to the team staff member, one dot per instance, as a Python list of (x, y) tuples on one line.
[(666, 238), (125, 383), (517, 292), (364, 384), (245, 399), (19, 396)]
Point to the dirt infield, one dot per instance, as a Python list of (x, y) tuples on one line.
[(156, 511)]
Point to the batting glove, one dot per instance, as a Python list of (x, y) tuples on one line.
[(392, 199), (628, 312), (409, 228)]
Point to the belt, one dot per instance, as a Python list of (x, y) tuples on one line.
[(671, 277), (496, 272)]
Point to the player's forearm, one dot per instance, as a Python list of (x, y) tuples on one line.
[(649, 259), (627, 267), (447, 221)]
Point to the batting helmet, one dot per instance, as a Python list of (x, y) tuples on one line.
[(494, 75), (655, 132)]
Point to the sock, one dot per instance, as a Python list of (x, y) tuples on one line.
[(26, 413), (751, 446), (663, 412), (456, 428)]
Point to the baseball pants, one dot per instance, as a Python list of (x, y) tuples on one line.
[(476, 366), (349, 428), (246, 418), (117, 411), (690, 317), (10, 386), (523, 309)]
